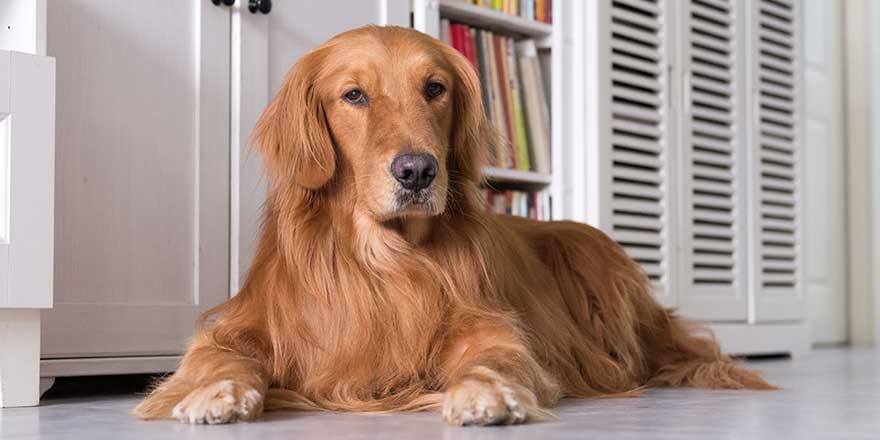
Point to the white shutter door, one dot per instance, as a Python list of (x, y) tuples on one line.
[(712, 227), (639, 206), (776, 160)]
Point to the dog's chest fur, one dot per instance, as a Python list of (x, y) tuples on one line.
[(380, 327)]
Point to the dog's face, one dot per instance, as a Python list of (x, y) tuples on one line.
[(390, 112), (393, 115)]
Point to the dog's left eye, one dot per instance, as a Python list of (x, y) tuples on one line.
[(433, 90), (355, 96)]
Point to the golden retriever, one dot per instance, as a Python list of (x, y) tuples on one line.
[(380, 283)]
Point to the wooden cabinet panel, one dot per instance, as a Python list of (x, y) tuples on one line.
[(142, 173)]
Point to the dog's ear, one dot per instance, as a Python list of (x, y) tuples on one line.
[(471, 132), (292, 135)]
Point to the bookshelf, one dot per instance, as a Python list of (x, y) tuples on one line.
[(427, 16), (523, 179), (479, 16)]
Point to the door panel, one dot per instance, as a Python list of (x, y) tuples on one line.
[(776, 161), (142, 174), (712, 236), (824, 195), (639, 158)]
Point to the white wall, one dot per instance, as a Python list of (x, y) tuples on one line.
[(874, 48), (862, 32)]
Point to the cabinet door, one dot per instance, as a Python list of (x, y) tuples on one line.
[(630, 160), (268, 46), (142, 180), (824, 193), (713, 264), (776, 160), (27, 100)]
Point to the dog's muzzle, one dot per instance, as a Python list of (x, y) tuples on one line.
[(414, 171)]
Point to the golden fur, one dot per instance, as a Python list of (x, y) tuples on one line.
[(355, 303)]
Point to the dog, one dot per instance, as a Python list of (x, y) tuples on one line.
[(381, 284)]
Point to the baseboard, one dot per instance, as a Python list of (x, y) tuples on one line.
[(735, 339), (763, 339), (108, 365)]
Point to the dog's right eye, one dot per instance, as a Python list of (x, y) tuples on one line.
[(355, 96)]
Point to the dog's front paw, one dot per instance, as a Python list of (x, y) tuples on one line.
[(225, 401), (479, 402)]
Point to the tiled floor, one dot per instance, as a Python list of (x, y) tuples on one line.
[(832, 393)]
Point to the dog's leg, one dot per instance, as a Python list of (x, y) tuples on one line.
[(212, 385), (493, 379)]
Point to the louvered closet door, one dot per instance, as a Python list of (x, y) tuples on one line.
[(638, 153), (712, 227), (776, 160)]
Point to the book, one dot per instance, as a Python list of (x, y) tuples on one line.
[(472, 47), (498, 121), (510, 140), (483, 72), (527, 10), (502, 88), (444, 31), (454, 37), (463, 44), (536, 110), (521, 140)]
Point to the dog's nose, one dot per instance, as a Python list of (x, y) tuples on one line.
[(414, 171)]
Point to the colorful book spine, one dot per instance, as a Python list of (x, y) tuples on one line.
[(505, 102), (485, 89), (444, 31), (498, 119), (536, 110), (507, 90), (540, 10), (522, 143)]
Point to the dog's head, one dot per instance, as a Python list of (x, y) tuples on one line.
[(387, 114)]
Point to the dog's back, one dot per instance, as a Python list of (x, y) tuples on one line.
[(626, 339)]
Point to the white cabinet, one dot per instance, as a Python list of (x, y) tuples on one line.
[(142, 180), (27, 96)]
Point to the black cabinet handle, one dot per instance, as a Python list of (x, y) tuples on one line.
[(223, 2), (264, 6)]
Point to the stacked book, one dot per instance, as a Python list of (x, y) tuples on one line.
[(534, 205), (539, 10), (513, 94)]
